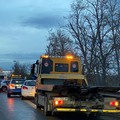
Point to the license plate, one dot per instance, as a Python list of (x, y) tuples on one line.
[(31, 93), (18, 86)]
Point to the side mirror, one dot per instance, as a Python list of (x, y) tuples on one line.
[(37, 62), (33, 69)]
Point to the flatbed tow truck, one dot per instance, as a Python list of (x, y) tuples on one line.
[(61, 87)]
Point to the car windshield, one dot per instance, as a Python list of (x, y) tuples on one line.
[(30, 83), (17, 81)]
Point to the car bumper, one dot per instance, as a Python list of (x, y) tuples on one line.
[(28, 94), (14, 91)]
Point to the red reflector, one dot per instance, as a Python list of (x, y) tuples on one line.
[(58, 102), (114, 103), (24, 88)]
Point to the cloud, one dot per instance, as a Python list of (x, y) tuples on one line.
[(7, 60), (28, 21), (22, 40), (43, 21), (24, 26)]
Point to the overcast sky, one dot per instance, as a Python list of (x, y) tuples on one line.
[(24, 24)]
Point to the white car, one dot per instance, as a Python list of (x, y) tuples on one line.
[(4, 85), (28, 89)]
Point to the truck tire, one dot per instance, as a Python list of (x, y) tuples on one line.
[(36, 102), (46, 112), (53, 113)]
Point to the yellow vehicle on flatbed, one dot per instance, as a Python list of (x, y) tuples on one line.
[(61, 87)]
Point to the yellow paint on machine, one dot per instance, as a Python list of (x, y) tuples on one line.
[(94, 110), (111, 111), (83, 110), (86, 110), (66, 109)]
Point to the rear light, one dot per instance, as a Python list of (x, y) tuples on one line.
[(114, 103), (24, 88), (11, 86), (58, 102), (69, 57)]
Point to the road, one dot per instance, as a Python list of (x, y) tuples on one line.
[(16, 109)]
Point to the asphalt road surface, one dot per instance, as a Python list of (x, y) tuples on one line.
[(16, 109)]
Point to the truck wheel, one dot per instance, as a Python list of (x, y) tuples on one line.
[(46, 112), (36, 102), (53, 113)]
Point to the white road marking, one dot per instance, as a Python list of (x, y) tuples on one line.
[(30, 103)]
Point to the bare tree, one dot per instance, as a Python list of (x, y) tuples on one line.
[(76, 27), (16, 68), (59, 44), (88, 26), (20, 69), (114, 23), (99, 13), (94, 32)]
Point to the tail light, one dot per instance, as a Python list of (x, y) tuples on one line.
[(114, 103), (24, 88), (11, 86), (58, 102)]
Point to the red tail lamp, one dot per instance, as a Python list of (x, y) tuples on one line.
[(58, 102), (24, 88), (11, 85), (114, 103)]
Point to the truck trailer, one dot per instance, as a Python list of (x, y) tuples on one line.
[(61, 87)]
